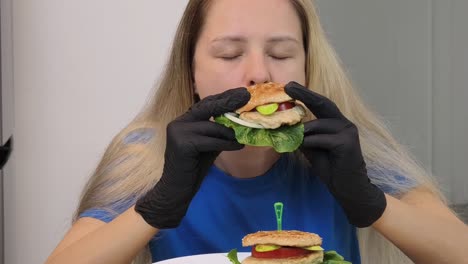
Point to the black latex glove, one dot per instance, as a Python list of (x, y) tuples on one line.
[(193, 142), (5, 152), (331, 144)]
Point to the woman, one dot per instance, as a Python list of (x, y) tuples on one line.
[(211, 190)]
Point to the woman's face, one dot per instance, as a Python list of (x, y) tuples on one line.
[(245, 42)]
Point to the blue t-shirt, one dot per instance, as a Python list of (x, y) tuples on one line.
[(225, 209)]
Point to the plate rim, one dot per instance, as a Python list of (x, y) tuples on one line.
[(243, 253)]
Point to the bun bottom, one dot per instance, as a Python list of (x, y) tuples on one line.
[(313, 258)]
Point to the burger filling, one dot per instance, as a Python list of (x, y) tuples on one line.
[(278, 252), (289, 116)]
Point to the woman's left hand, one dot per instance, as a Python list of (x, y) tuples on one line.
[(331, 144)]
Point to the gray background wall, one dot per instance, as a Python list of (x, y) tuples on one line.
[(81, 69), (410, 61), (6, 105)]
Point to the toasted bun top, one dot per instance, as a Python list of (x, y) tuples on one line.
[(290, 238), (264, 93)]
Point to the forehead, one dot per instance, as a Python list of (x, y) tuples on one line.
[(251, 17)]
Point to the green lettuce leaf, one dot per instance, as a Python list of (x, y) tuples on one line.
[(332, 257), (282, 139), (232, 256)]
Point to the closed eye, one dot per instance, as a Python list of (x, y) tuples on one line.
[(277, 57), (230, 58)]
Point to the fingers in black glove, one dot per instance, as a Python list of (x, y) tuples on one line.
[(201, 136), (326, 133), (319, 105)]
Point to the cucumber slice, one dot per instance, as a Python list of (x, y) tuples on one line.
[(314, 248), (267, 109), (266, 248)]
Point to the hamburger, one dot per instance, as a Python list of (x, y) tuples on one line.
[(270, 118), (284, 247)]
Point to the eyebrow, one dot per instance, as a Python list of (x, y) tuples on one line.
[(283, 39), (230, 39), (243, 39)]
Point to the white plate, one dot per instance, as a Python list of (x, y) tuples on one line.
[(216, 258)]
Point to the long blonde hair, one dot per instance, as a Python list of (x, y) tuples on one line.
[(127, 171)]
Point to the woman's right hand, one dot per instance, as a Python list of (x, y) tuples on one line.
[(193, 143)]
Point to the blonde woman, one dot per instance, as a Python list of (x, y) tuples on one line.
[(175, 183)]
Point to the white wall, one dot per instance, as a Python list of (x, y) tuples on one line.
[(82, 69)]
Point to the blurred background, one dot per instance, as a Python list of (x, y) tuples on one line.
[(73, 73)]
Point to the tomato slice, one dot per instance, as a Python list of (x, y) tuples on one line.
[(282, 252), (285, 106)]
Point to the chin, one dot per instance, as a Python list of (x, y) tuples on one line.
[(248, 148), (254, 151)]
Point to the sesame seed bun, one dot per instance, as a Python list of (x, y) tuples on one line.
[(290, 238)]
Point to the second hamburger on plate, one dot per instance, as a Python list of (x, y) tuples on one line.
[(286, 247), (292, 247)]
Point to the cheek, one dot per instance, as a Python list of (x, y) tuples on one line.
[(284, 72), (211, 79)]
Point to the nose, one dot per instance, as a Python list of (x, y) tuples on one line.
[(257, 70)]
